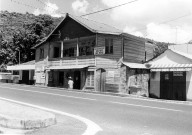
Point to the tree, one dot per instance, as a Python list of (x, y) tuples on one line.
[(20, 32)]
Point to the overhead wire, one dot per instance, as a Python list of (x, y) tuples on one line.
[(164, 22), (20, 3), (109, 8)]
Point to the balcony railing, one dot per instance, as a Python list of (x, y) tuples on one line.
[(72, 61)]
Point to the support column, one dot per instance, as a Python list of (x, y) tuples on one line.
[(77, 54), (20, 75), (61, 49), (30, 75), (47, 78)]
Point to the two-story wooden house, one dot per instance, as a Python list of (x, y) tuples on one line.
[(95, 55)]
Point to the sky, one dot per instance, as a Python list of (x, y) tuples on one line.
[(160, 20)]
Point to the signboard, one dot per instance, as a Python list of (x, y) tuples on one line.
[(99, 50), (177, 73), (111, 74)]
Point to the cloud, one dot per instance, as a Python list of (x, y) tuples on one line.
[(80, 6), (144, 13), (167, 33), (50, 9), (132, 30)]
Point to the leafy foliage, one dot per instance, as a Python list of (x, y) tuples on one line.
[(20, 32), (161, 47)]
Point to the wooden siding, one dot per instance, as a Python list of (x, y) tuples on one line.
[(134, 50), (46, 50), (149, 49), (71, 29), (109, 60)]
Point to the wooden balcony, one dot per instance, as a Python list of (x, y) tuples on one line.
[(72, 61)]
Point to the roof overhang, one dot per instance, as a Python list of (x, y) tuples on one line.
[(171, 67), (135, 65), (21, 67), (67, 67)]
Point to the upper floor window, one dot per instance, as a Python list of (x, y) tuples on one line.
[(69, 52), (86, 47), (56, 52), (41, 56), (108, 46), (85, 50)]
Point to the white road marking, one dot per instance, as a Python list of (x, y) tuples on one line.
[(135, 105), (48, 93), (146, 134), (188, 103), (92, 128), (144, 106)]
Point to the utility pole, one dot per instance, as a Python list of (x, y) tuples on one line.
[(19, 57), (176, 36)]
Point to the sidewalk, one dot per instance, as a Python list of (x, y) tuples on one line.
[(19, 119)]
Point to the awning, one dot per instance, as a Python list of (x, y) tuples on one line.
[(171, 67), (21, 67), (68, 67), (135, 65)]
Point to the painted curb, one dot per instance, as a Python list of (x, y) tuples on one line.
[(92, 128), (23, 117)]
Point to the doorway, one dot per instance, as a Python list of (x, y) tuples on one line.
[(25, 77), (77, 80), (173, 85), (61, 78)]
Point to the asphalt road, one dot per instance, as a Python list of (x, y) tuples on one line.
[(115, 115)]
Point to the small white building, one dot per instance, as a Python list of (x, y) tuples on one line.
[(23, 73), (171, 76)]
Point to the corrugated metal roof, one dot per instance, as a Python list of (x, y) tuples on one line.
[(186, 48), (24, 66), (95, 27), (21, 67), (171, 65), (171, 60), (187, 55), (135, 65)]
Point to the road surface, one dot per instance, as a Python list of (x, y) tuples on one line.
[(115, 115)]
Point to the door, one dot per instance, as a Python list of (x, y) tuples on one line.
[(179, 86), (103, 78), (61, 78), (173, 85), (25, 77), (100, 80), (77, 80), (166, 79)]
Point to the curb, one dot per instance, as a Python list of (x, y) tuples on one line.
[(118, 95), (21, 117)]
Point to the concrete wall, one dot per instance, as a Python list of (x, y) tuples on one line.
[(154, 91), (189, 85)]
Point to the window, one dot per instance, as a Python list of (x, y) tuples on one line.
[(86, 47), (69, 52), (41, 56), (90, 78), (108, 46), (82, 51), (56, 52), (15, 72)]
